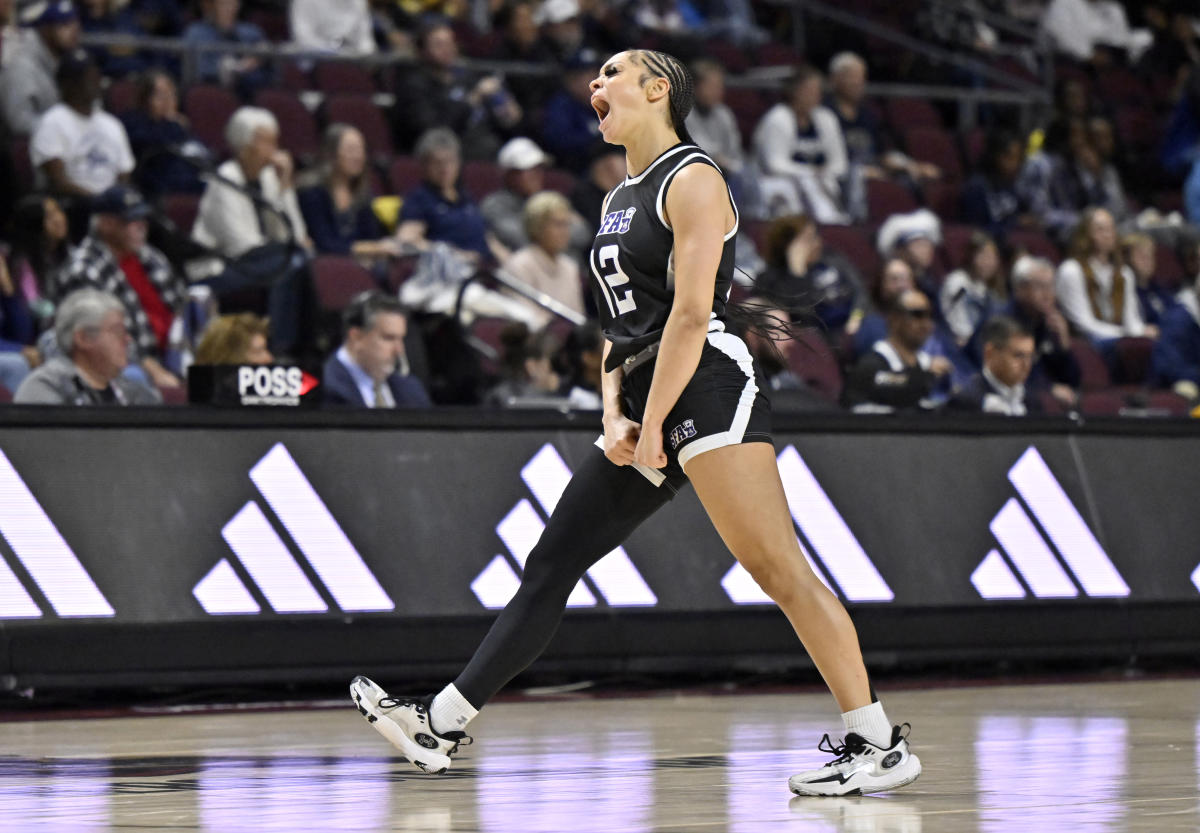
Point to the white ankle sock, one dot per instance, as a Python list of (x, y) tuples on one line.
[(451, 712), (871, 723)]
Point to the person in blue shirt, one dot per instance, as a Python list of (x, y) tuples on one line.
[(1154, 297), (107, 17), (569, 128), (1176, 357), (221, 25), (439, 210), (335, 199), (990, 199)]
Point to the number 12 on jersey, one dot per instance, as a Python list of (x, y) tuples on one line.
[(612, 279)]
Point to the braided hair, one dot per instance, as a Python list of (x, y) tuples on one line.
[(682, 95)]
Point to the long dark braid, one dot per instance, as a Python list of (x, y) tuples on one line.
[(760, 314), (682, 95)]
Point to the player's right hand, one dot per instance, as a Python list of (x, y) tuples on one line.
[(620, 439)]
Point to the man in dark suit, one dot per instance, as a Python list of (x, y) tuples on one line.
[(370, 369), (1008, 355)]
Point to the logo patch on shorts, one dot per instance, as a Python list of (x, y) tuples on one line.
[(679, 433)]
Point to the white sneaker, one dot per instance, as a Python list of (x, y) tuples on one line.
[(405, 722), (860, 767)]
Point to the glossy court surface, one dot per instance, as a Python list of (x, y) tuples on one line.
[(1114, 756)]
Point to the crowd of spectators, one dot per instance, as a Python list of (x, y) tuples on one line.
[(371, 203)]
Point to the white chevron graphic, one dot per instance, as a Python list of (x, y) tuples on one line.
[(831, 540), (614, 576), (44, 555), (269, 562), (1032, 554)]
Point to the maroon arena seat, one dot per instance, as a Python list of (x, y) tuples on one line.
[(181, 209), (481, 177), (1119, 85), (363, 113), (856, 245), (748, 107), (405, 174), (1093, 370), (1035, 242), (811, 359), (1133, 360), (1102, 402), (561, 181), (755, 230), (973, 142), (955, 241), (775, 54), (121, 96), (208, 107), (337, 279), (1137, 126), (343, 78), (944, 198), (886, 197), (935, 145), (727, 55), (906, 113), (273, 22), (297, 127), (1168, 401), (5, 395), (294, 77)]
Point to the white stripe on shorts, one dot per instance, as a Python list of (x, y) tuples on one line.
[(736, 349)]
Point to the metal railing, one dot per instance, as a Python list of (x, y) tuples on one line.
[(1025, 97)]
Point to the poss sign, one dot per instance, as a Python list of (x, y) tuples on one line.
[(247, 384)]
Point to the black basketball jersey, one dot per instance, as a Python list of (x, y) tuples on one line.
[(632, 258)]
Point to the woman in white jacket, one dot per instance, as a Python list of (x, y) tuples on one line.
[(798, 146), (1096, 289)]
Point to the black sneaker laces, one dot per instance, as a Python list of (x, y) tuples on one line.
[(852, 745)]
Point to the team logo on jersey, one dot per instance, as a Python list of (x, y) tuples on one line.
[(617, 222), (682, 432)]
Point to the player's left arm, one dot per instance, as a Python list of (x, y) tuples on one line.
[(698, 211)]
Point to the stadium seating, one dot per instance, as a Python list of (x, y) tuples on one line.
[(297, 126), (208, 108), (363, 113)]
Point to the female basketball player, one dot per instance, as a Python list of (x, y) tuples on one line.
[(680, 404)]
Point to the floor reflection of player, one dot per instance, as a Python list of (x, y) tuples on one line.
[(679, 395)]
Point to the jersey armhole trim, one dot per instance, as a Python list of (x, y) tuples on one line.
[(660, 200)]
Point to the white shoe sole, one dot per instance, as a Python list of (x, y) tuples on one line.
[(366, 695), (903, 775)]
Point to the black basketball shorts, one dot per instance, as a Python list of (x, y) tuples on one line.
[(721, 405)]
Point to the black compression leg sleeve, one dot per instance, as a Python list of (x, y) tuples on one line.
[(599, 509)]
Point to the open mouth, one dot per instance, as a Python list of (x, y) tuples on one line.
[(601, 107)]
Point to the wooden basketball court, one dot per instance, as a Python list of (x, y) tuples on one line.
[(1112, 756)]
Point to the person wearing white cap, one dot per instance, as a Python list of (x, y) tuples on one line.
[(27, 86), (562, 24), (524, 165), (913, 237)]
